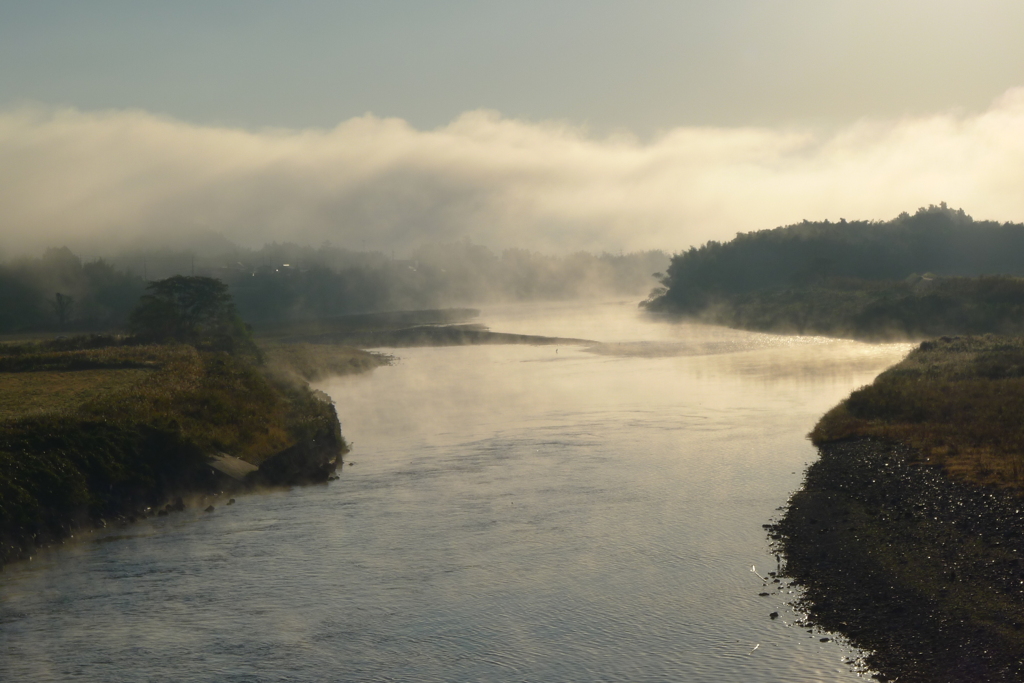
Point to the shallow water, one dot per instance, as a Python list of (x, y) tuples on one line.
[(511, 513)]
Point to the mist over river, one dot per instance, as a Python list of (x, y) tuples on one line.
[(510, 513)]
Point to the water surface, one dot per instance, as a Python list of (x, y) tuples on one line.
[(511, 513)]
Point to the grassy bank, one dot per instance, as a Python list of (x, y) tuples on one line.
[(440, 335), (358, 323), (957, 400), (442, 327), (908, 534), (872, 310), (304, 362), (114, 429)]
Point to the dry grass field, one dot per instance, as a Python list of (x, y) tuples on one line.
[(216, 401), (312, 362), (28, 393), (959, 401)]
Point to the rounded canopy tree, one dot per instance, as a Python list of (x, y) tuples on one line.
[(191, 310)]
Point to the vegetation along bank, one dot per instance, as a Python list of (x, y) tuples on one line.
[(908, 534), (107, 428)]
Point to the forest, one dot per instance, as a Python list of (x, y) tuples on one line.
[(60, 292), (936, 272)]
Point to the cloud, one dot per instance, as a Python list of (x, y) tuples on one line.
[(100, 180)]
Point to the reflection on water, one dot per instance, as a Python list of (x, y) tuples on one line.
[(513, 513)]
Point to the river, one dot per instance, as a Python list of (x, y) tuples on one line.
[(508, 513)]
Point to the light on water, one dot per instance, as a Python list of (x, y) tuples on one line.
[(519, 513)]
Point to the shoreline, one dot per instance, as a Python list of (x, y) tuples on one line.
[(198, 477), (921, 571), (908, 531), (190, 424), (151, 459)]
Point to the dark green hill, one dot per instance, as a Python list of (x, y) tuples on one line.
[(913, 276)]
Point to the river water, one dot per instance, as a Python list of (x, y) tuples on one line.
[(509, 513)]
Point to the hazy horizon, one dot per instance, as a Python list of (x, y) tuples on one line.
[(129, 178), (595, 126)]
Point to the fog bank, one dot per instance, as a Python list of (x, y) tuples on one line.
[(98, 181)]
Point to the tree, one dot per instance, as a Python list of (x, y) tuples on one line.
[(192, 310), (63, 306)]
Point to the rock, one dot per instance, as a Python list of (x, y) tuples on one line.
[(231, 467), (774, 615), (210, 509), (231, 502), (312, 461)]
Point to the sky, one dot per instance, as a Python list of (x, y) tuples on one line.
[(557, 125)]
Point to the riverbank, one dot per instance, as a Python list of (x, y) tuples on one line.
[(397, 329), (876, 311), (103, 430), (956, 400), (908, 534), (921, 571)]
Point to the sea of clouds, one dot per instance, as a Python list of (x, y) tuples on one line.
[(101, 180)]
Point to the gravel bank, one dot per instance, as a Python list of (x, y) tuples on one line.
[(923, 572)]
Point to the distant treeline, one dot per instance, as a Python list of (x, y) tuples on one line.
[(328, 282), (58, 292), (281, 282), (936, 272)]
